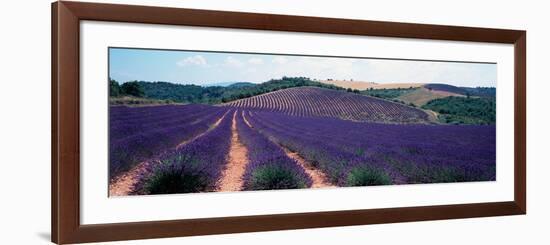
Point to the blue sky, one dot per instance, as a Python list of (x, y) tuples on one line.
[(202, 68)]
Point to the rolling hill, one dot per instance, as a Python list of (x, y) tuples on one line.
[(445, 88), (429, 92), (314, 101), (421, 96)]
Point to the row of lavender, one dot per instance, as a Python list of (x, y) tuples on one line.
[(197, 166), (269, 167), (161, 117), (127, 113), (138, 134), (320, 102), (194, 167), (353, 153)]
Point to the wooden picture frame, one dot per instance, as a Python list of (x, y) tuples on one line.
[(65, 174)]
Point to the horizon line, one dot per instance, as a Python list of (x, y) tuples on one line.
[(315, 80)]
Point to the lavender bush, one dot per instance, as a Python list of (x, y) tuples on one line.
[(269, 167)]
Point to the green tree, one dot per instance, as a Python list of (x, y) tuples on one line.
[(463, 110), (132, 88), (114, 88)]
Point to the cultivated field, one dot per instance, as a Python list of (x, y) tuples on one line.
[(288, 139), (320, 102)]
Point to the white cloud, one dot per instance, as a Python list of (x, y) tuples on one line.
[(312, 67), (460, 74), (193, 60), (279, 60), (233, 62), (256, 61), (262, 68)]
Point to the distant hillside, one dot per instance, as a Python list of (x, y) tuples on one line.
[(466, 91), (220, 84), (241, 85), (314, 101), (448, 103), (421, 96), (391, 88), (182, 93), (481, 91), (228, 84), (445, 88), (362, 85)]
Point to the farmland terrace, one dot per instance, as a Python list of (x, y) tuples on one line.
[(321, 102)]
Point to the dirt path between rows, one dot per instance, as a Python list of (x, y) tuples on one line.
[(319, 178), (231, 179), (123, 185)]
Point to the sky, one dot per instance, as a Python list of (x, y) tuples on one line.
[(206, 68)]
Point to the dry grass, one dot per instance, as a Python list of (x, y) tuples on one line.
[(136, 101), (362, 85), (420, 97)]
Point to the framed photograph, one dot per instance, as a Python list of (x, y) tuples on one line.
[(177, 122)]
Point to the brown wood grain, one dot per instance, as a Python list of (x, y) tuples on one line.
[(520, 148), (55, 138), (66, 227)]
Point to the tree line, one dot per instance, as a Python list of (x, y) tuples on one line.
[(188, 93), (129, 89), (464, 110)]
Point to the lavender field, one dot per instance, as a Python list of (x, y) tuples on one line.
[(270, 142), (192, 121), (138, 134), (320, 102), (354, 153)]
